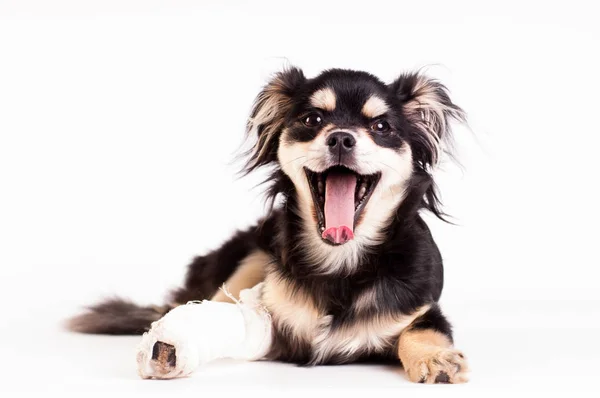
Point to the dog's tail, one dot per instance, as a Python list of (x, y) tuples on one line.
[(116, 316)]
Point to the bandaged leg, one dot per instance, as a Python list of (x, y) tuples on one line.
[(196, 333)]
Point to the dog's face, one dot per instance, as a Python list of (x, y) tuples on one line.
[(344, 148), (349, 143)]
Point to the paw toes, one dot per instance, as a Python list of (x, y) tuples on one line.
[(166, 353), (445, 367), (164, 356), (442, 378)]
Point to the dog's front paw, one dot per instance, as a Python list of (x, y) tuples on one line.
[(160, 360), (167, 351), (446, 366), (197, 333), (162, 363)]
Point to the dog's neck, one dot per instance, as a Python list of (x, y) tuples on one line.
[(299, 238), (321, 258)]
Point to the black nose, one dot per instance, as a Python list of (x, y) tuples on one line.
[(341, 142)]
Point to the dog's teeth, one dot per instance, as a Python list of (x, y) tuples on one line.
[(362, 191), (322, 229)]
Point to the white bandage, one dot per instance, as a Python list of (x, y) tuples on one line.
[(207, 330)]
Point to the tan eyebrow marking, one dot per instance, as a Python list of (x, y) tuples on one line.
[(323, 99), (374, 107)]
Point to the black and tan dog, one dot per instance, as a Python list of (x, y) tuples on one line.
[(350, 269)]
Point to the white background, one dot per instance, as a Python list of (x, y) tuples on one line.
[(119, 121)]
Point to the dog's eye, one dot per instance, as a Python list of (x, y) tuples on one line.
[(312, 120), (380, 126)]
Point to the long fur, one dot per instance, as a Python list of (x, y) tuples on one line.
[(349, 302), (116, 316)]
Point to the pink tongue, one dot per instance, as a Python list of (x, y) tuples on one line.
[(339, 207)]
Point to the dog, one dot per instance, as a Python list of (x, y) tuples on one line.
[(349, 270)]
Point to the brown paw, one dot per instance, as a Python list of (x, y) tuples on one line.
[(445, 366), (163, 357)]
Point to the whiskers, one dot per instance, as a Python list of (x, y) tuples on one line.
[(293, 160)]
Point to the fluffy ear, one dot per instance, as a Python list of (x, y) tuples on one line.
[(426, 104), (268, 116)]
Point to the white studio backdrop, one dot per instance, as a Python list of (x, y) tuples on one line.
[(119, 122)]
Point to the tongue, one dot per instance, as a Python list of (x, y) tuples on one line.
[(339, 207)]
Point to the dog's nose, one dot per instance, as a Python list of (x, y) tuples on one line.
[(341, 142)]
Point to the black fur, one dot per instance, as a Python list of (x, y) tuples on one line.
[(434, 320), (205, 274), (405, 271), (116, 316)]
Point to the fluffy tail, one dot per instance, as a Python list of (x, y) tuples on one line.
[(116, 316)]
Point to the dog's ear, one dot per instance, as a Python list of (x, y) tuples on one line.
[(428, 108), (268, 116)]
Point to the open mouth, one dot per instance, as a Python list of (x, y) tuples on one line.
[(340, 195)]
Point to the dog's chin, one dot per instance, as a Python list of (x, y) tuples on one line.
[(340, 196)]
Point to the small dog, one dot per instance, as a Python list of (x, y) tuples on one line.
[(349, 269)]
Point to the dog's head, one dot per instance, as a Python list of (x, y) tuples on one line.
[(350, 144)]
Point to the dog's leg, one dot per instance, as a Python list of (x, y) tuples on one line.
[(196, 333), (249, 273), (426, 351), (234, 263)]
